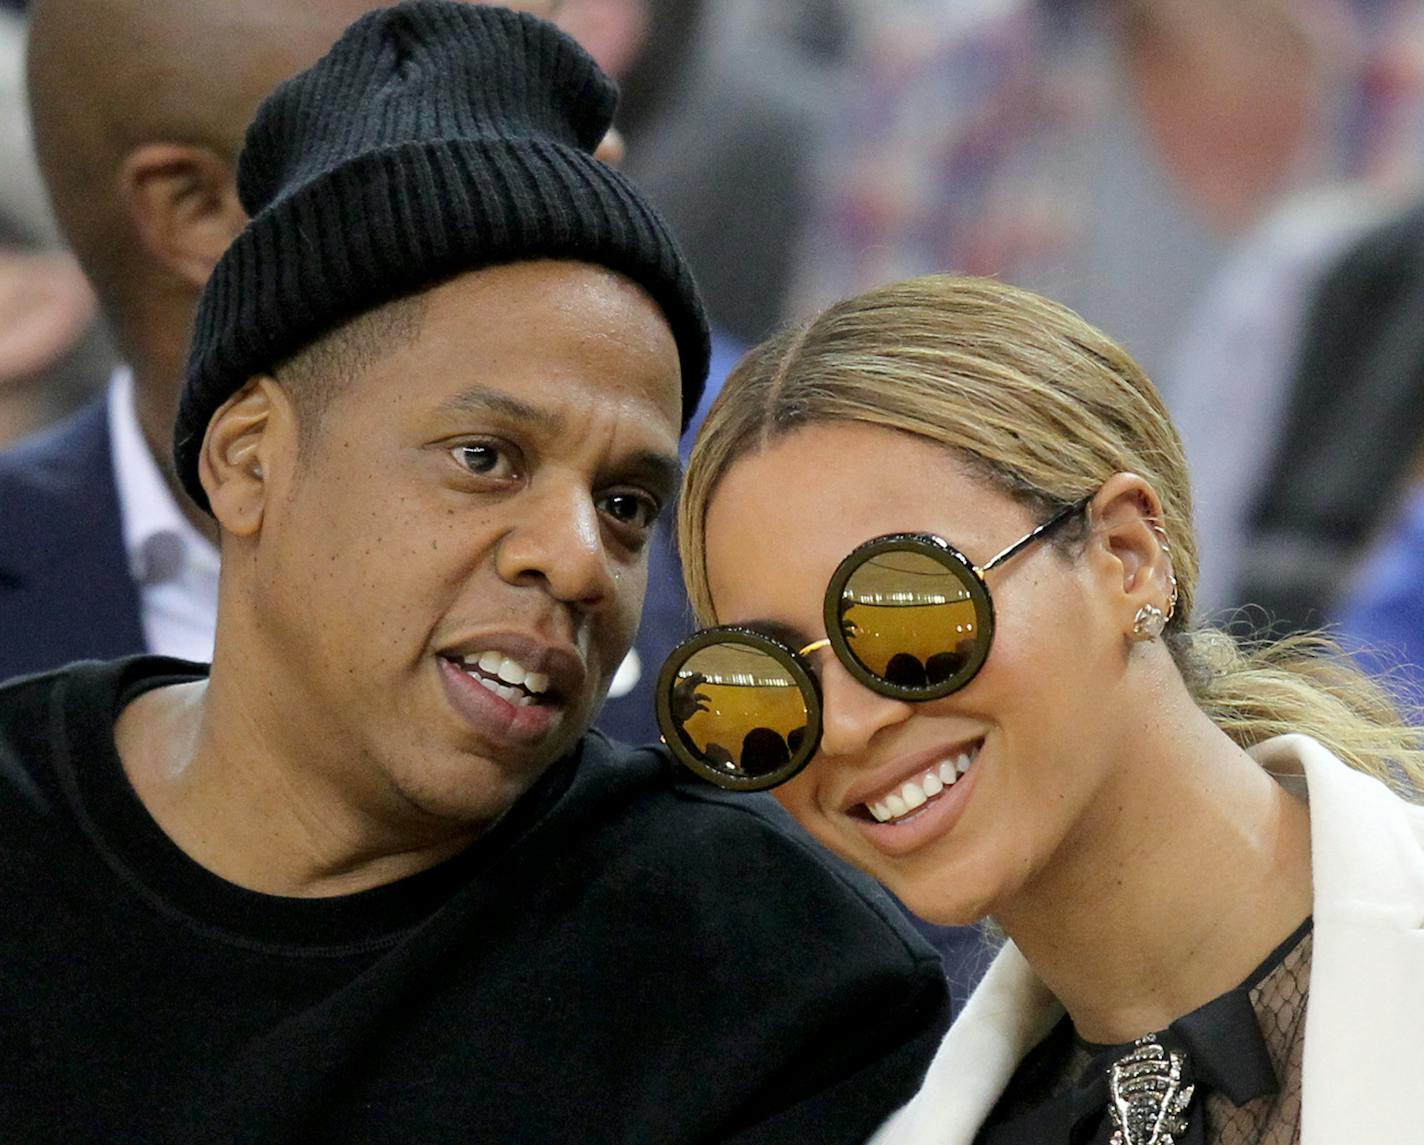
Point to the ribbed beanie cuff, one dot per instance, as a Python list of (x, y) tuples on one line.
[(436, 137)]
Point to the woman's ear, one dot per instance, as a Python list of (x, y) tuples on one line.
[(249, 438), (1127, 522), (182, 200)]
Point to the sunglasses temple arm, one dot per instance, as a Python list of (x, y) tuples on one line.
[(1052, 523)]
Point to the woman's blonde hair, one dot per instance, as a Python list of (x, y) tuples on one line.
[(1046, 408)]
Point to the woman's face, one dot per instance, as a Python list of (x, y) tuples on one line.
[(1036, 726)]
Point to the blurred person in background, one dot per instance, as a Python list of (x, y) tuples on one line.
[(1349, 442), (721, 107), (723, 111), (1108, 153), (1293, 383), (52, 352), (1360, 489)]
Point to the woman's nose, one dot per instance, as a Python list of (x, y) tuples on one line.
[(851, 713)]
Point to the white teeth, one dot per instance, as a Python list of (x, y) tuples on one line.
[(914, 795), (508, 670), (485, 682)]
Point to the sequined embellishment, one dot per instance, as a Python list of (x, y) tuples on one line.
[(1146, 1097)]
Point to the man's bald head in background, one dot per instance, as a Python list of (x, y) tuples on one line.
[(140, 108)]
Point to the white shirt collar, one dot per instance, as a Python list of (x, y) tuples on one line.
[(158, 538)]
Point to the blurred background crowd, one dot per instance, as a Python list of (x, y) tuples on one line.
[(1234, 189)]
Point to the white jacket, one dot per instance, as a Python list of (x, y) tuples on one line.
[(1364, 1024)]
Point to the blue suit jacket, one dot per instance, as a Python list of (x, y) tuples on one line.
[(65, 588)]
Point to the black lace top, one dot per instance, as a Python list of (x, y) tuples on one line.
[(1228, 1073)]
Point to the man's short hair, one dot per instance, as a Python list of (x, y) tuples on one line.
[(321, 370)]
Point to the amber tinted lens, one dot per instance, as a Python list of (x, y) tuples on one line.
[(913, 619), (738, 709)]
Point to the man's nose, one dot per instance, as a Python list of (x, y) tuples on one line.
[(851, 714), (558, 542)]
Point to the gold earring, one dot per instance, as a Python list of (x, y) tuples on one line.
[(1172, 600), (1149, 623)]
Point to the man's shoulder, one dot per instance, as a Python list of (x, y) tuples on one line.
[(732, 853), (39, 713), (27, 718)]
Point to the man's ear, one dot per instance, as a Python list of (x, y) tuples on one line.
[(182, 200), (248, 439), (1131, 540)]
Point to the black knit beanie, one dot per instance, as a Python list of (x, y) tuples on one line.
[(436, 137)]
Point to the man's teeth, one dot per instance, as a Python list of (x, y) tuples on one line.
[(915, 793), (506, 677)]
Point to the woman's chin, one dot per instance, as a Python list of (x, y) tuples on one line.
[(940, 910)]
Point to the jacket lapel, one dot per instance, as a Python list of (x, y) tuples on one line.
[(65, 589), (1009, 1013), (1362, 1026)]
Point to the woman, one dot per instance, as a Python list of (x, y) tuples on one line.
[(1000, 707)]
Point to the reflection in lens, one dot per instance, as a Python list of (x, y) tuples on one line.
[(904, 670), (909, 618), (739, 708)]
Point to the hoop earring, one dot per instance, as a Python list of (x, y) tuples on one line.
[(1172, 600), (1148, 623)]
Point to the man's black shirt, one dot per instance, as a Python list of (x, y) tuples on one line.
[(627, 956)]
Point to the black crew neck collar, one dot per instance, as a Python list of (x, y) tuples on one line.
[(160, 872)]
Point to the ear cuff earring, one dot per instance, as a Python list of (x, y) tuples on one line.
[(1150, 620)]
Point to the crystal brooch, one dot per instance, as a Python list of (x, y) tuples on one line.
[(1146, 1098)]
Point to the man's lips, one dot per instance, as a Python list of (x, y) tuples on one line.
[(512, 687), (520, 667), (522, 721)]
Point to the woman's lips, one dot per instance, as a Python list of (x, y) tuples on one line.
[(927, 814), (906, 797)]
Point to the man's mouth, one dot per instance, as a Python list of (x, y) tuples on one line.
[(910, 795), (505, 676)]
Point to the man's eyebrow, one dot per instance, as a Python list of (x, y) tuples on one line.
[(480, 399), (663, 468)]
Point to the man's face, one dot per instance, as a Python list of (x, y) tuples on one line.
[(473, 508)]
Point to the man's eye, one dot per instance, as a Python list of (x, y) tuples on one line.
[(631, 509), (485, 460)]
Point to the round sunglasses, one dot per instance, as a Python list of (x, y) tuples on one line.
[(909, 616)]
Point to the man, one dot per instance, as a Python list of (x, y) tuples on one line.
[(368, 880)]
